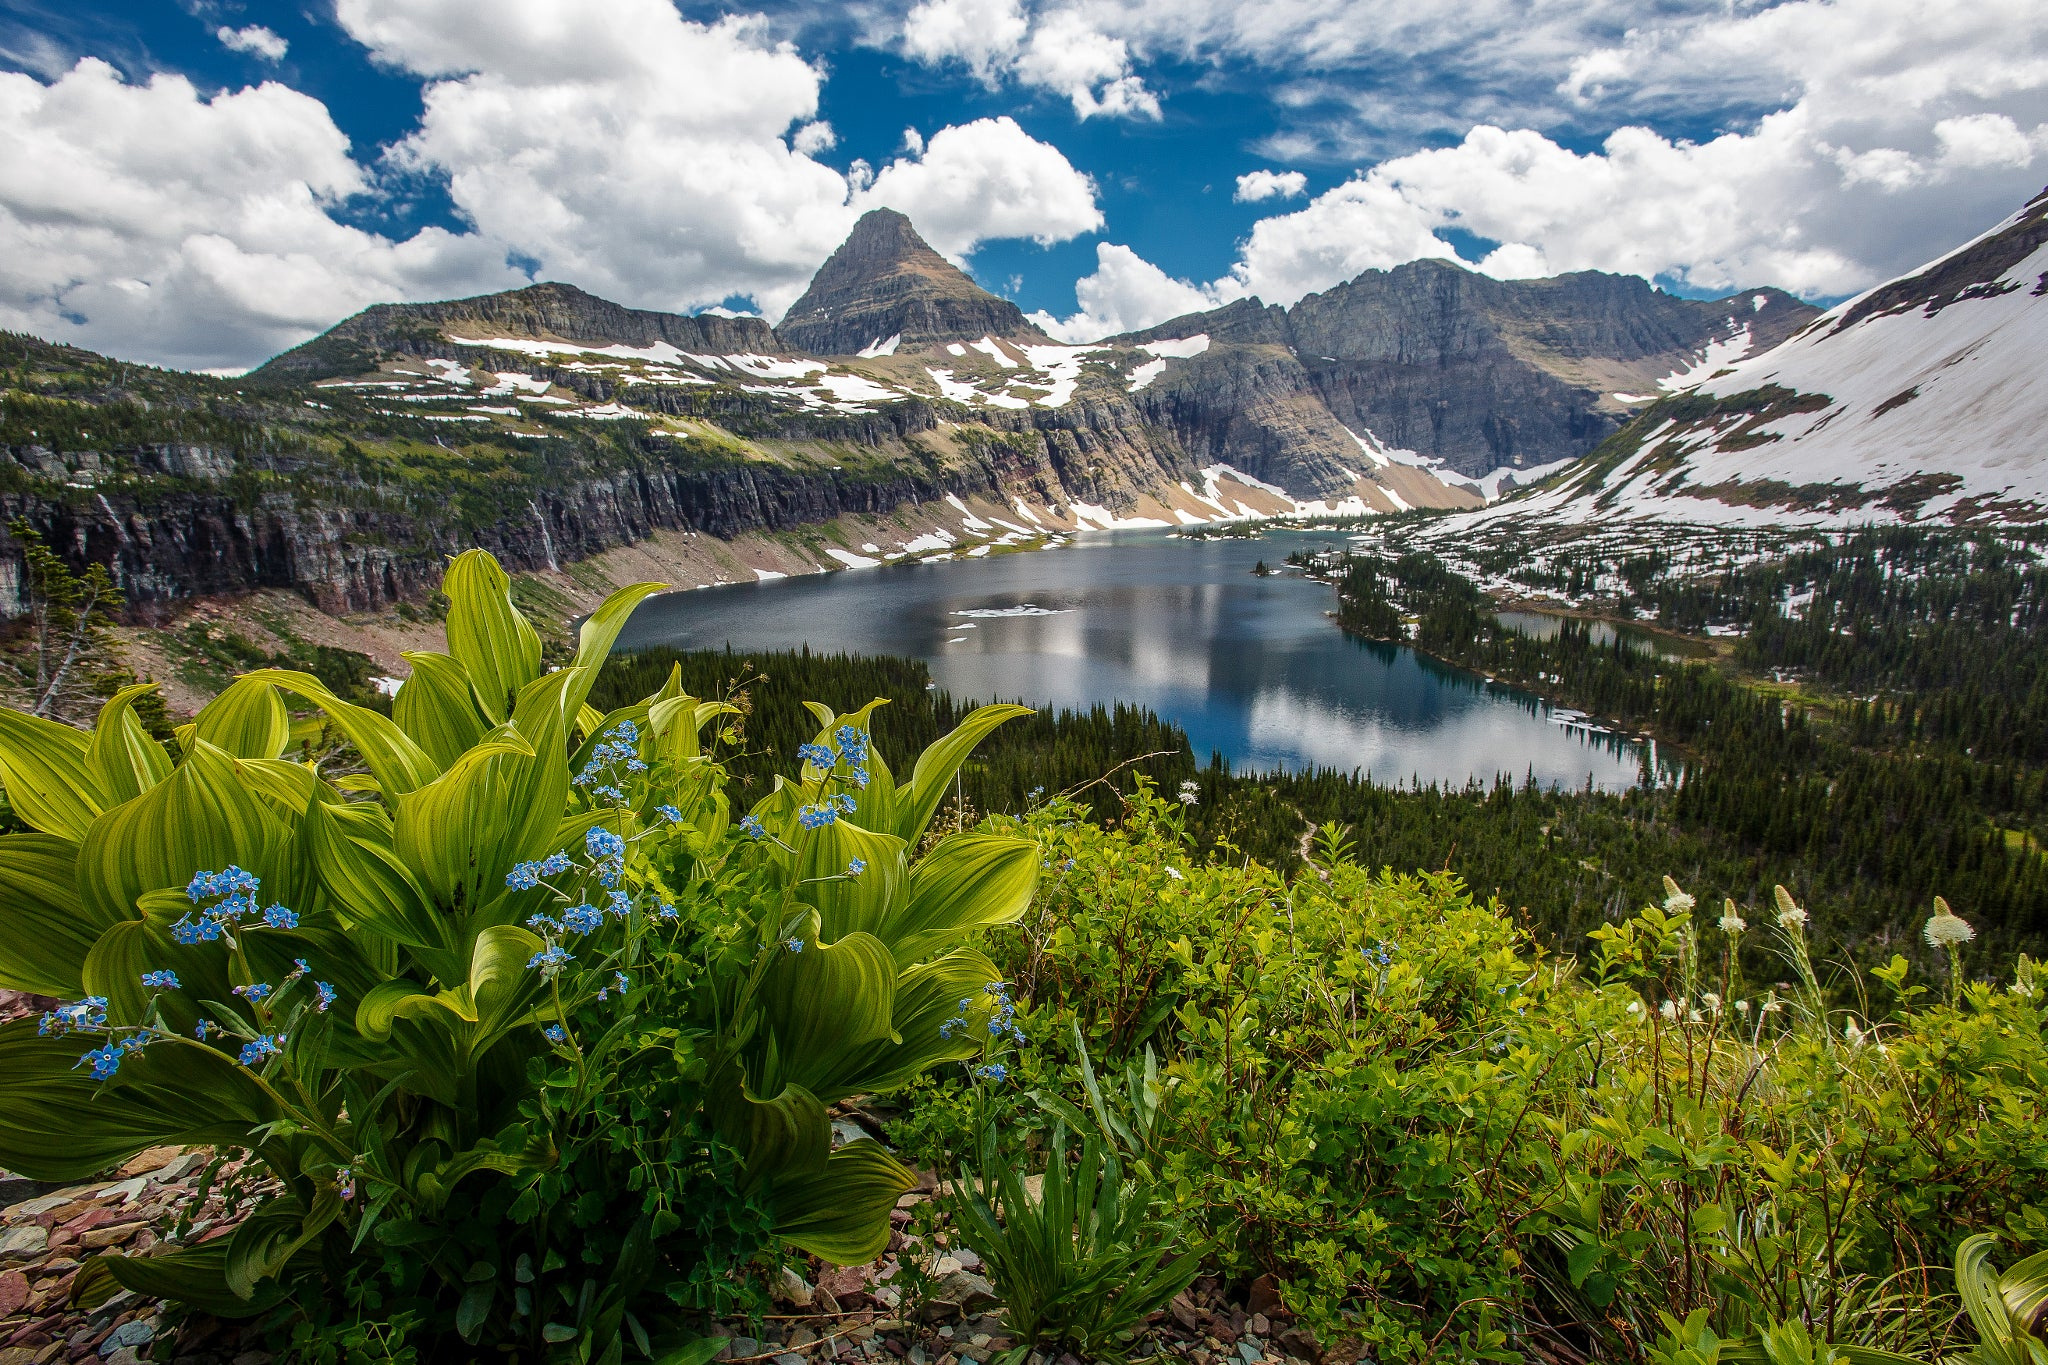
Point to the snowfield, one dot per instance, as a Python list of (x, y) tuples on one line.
[(1921, 399)]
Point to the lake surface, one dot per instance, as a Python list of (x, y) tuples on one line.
[(1253, 668)]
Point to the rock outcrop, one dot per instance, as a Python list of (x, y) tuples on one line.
[(885, 287), (1479, 374)]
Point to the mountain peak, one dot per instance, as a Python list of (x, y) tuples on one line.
[(885, 281)]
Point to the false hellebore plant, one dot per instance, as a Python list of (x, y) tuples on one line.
[(519, 1019)]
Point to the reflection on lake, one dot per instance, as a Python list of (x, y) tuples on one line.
[(1544, 625), (1253, 668)]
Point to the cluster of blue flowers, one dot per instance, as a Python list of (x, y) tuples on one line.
[(826, 811), (994, 1071), (752, 827), (792, 945), (852, 754), (232, 893), (617, 750), (527, 876), (550, 961), (1381, 953), (262, 1048), (856, 867), (87, 1016)]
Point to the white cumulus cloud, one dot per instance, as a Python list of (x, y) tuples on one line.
[(1126, 293), (146, 221), (981, 180), (580, 146), (1064, 51), (650, 159), (255, 40), (1258, 185)]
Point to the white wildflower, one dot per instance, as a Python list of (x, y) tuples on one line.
[(1675, 900), (1669, 1009), (1636, 1006), (1174, 873), (1742, 1008), (1946, 929), (1771, 1005), (1732, 921), (1710, 1002), (1190, 793), (1790, 916), (1855, 1035)]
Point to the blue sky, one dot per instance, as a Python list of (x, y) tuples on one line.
[(202, 182)]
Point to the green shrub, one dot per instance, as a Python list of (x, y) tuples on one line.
[(536, 1041), (1450, 1144)]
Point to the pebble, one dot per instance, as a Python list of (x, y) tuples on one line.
[(792, 1288), (1250, 1352), (739, 1347), (134, 1332), (789, 1358), (22, 1243), (14, 1293)]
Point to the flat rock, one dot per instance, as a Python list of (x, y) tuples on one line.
[(23, 1243), (14, 1292)]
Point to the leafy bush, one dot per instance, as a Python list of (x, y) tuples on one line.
[(1451, 1145), (535, 1040)]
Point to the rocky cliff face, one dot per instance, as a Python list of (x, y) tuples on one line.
[(1478, 374), (885, 287)]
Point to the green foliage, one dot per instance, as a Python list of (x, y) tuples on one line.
[(1849, 807), (536, 1041), (1454, 1146), (1082, 1263)]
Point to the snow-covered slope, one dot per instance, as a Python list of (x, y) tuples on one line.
[(1925, 398)]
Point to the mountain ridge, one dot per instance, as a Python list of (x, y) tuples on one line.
[(549, 424), (1917, 399)]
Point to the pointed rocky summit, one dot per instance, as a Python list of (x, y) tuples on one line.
[(886, 283)]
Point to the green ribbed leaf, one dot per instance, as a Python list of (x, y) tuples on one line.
[(926, 997), (121, 756), (172, 1093), (842, 1213), (248, 720), (398, 764), (43, 765), (490, 639), (846, 905), (195, 1275), (600, 631), (822, 1006), (917, 799), (46, 926), (969, 882), (454, 833), (202, 818), (371, 888), (438, 708)]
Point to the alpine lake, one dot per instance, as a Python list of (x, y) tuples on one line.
[(1251, 667)]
